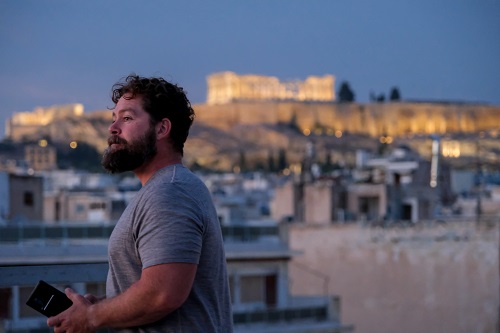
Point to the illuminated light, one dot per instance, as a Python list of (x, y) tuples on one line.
[(433, 183), (338, 133), (43, 143), (73, 144), (286, 172), (388, 139), (236, 169), (306, 131), (451, 149), (382, 139), (296, 168)]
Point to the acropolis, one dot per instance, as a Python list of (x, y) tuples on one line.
[(226, 87), (310, 105)]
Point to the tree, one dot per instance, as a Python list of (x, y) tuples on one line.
[(345, 93), (83, 156), (271, 163), (395, 95), (242, 163), (282, 163), (293, 123)]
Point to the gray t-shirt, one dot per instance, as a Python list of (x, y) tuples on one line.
[(173, 219)]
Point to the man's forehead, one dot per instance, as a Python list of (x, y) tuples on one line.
[(131, 104)]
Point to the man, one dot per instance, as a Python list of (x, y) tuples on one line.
[(167, 270)]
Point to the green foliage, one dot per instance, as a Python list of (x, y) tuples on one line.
[(7, 147), (395, 95), (83, 157), (293, 123), (282, 163), (346, 95), (242, 163), (271, 164)]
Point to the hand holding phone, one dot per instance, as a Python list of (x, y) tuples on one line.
[(48, 300)]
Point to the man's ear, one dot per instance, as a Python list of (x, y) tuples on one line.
[(163, 128)]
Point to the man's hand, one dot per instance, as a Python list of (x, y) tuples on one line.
[(93, 299), (74, 319)]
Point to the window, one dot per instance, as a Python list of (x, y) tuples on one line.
[(252, 289), (97, 205), (79, 208), (29, 199), (5, 299)]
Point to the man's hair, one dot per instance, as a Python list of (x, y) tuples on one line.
[(160, 99)]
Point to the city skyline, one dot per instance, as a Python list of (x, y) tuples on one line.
[(58, 52)]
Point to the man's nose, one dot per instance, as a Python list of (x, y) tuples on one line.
[(114, 128)]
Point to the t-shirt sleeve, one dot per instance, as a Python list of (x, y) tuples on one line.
[(169, 230)]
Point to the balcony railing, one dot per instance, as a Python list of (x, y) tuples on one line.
[(318, 314), (41, 231)]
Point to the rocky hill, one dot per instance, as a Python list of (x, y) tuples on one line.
[(246, 146), (256, 135), (260, 145)]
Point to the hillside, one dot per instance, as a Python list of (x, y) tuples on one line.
[(255, 135)]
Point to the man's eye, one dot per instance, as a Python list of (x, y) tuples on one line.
[(127, 118)]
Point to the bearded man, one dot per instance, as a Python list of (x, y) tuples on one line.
[(167, 267)]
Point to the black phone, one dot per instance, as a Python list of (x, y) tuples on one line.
[(48, 300)]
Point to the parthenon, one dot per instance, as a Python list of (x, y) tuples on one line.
[(226, 87)]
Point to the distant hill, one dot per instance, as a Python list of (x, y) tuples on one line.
[(254, 135)]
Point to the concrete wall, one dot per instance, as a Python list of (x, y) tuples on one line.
[(282, 205), (439, 279), (318, 203), (26, 197)]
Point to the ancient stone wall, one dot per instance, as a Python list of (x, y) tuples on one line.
[(374, 119)]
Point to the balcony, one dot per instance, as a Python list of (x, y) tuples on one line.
[(76, 256)]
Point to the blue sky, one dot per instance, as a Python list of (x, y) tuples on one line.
[(56, 52)]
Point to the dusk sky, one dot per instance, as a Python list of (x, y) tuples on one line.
[(57, 52)]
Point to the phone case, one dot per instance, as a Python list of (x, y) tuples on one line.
[(48, 300)]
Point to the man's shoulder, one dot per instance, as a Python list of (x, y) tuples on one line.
[(173, 183)]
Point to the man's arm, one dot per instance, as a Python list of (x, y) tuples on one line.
[(160, 290)]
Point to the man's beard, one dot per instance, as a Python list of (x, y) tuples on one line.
[(129, 156)]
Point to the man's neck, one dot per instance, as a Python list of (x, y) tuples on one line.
[(148, 169)]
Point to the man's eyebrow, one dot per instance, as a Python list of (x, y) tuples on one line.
[(123, 111)]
